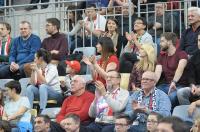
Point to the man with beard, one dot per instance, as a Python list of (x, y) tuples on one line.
[(172, 64), (57, 42)]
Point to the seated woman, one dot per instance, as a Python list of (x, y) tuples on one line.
[(112, 31), (135, 41), (146, 63), (44, 80), (108, 60), (17, 108)]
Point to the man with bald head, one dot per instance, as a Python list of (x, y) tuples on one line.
[(148, 99), (78, 103)]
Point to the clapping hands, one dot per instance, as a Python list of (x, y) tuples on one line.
[(89, 60)]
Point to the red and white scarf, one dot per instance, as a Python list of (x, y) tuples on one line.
[(7, 44)]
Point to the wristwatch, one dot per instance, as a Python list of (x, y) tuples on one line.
[(174, 82)]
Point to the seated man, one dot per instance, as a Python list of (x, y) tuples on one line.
[(188, 110), (122, 123), (149, 99), (72, 123), (161, 22), (22, 52), (152, 121), (56, 43), (193, 69), (172, 64), (78, 103), (124, 19), (5, 42), (107, 103), (172, 124), (94, 24), (17, 108), (188, 41), (43, 123), (44, 80)]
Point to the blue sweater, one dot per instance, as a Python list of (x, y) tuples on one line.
[(23, 51)]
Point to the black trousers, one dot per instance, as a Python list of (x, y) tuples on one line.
[(126, 62)]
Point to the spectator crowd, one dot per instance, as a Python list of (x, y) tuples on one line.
[(163, 91)]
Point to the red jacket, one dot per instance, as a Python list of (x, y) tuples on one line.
[(76, 104)]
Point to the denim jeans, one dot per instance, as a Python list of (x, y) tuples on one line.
[(5, 72), (43, 93), (172, 96), (181, 111), (183, 95)]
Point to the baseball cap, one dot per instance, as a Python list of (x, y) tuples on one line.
[(74, 65)]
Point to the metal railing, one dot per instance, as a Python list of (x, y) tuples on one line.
[(58, 9)]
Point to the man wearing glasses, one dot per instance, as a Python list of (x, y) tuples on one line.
[(57, 42), (149, 99), (109, 100), (122, 123)]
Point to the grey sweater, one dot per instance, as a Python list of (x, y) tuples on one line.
[(165, 25), (117, 105)]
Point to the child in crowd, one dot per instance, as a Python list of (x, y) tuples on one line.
[(72, 69)]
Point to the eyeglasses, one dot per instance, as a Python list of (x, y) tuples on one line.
[(74, 81), (147, 79), (112, 77), (138, 23), (152, 121), (38, 122), (120, 124), (6, 90), (48, 25)]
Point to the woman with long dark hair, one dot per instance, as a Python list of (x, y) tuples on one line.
[(108, 60), (112, 31)]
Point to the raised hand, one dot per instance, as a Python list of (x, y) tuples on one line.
[(86, 60)]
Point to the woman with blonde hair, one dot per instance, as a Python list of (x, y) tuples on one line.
[(146, 62)]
